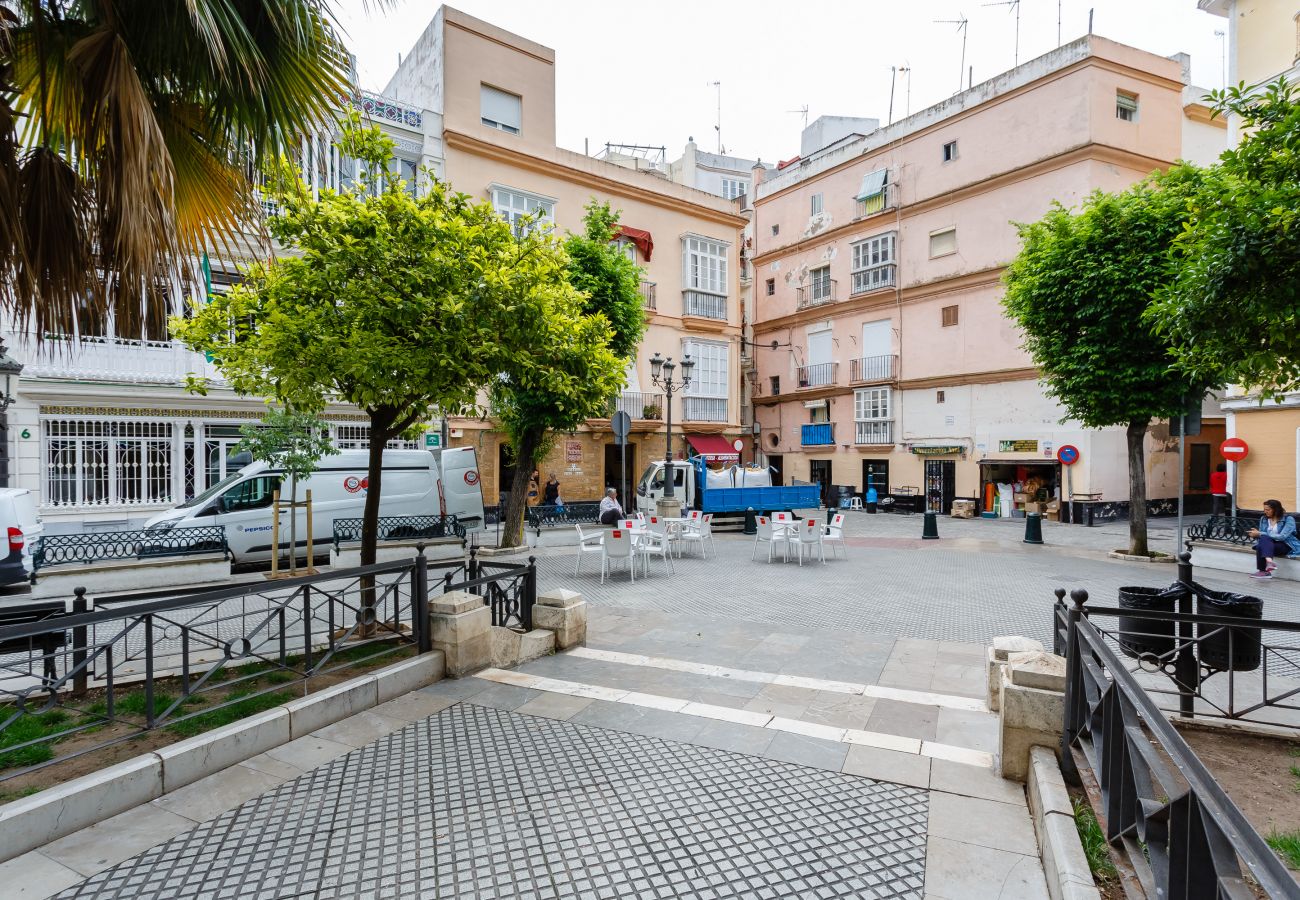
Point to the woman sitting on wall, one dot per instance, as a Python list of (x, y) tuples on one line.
[(1275, 536)]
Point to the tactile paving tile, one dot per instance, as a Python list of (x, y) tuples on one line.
[(480, 803)]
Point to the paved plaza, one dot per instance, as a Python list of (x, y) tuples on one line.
[(736, 729)]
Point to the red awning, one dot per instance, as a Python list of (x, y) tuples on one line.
[(714, 446), (644, 242)]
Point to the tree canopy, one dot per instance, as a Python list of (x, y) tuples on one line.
[(127, 134), (1079, 289), (1232, 312)]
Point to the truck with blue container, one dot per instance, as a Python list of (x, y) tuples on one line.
[(723, 491)]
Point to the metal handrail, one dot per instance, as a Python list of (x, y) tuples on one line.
[(873, 368), (400, 528), (91, 547)]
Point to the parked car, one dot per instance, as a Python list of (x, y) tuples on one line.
[(415, 483), (23, 528)]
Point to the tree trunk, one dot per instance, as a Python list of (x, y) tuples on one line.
[(1137, 487), (517, 501), (380, 427)]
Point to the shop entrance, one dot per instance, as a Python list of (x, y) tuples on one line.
[(819, 471), (875, 474), (1014, 487), (615, 473), (940, 485), (776, 463)]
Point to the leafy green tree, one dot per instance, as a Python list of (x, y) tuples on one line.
[(401, 306), (125, 133), (294, 443), (1232, 313), (1078, 290), (608, 323)]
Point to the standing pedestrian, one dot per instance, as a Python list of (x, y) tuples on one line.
[(551, 495), (1222, 500), (1275, 536)]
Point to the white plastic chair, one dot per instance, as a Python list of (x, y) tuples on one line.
[(618, 544), (657, 543), (770, 536), (835, 534), (626, 523), (705, 528), (810, 535), (696, 531), (855, 503), (587, 543)]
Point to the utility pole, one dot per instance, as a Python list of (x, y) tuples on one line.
[(961, 24), (1015, 8)]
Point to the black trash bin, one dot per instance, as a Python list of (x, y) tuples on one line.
[(1148, 637), (1245, 652)]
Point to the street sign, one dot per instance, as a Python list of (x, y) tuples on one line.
[(738, 445), (432, 441), (1234, 449), (621, 424), (1068, 454)]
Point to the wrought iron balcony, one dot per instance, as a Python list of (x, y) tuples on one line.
[(815, 294), (647, 289), (638, 405), (871, 369), (704, 409), (875, 278), (817, 375), (877, 203), (709, 306), (817, 434), (873, 433)]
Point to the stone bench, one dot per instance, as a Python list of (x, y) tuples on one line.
[(1226, 557)]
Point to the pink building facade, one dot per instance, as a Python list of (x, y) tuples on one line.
[(883, 357)]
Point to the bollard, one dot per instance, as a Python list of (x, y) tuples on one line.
[(930, 531), (1033, 528), (751, 523)]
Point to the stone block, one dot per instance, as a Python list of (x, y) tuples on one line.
[(993, 678), (559, 597), (1064, 865), (1037, 669), (330, 705), (1047, 793), (34, 821), (408, 675), (193, 758), (1028, 718), (1012, 643), (462, 632), (535, 644), (511, 648), (568, 622)]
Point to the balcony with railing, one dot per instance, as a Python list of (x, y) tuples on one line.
[(705, 305), (817, 434), (873, 369), (815, 294), (638, 405), (876, 203), (817, 375), (111, 359), (875, 278), (873, 433), (704, 409), (647, 291)]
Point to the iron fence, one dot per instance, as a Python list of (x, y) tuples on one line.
[(401, 528), (698, 303), (539, 517), (1229, 529), (60, 549), (873, 368), (1174, 831), (74, 683)]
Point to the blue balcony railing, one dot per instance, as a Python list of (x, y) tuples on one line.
[(819, 434)]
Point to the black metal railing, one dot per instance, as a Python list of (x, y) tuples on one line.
[(1172, 827), (873, 368), (817, 375), (700, 303), (816, 293), (401, 528), (90, 547), (638, 405), (539, 517), (508, 589), (1229, 529)]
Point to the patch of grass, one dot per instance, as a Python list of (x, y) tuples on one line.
[(7, 796), (280, 677), (240, 709), (30, 728), (1094, 842), (1286, 844)]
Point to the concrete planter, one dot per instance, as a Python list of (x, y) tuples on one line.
[(120, 576)]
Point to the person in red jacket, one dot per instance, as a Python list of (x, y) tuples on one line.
[(1219, 488)]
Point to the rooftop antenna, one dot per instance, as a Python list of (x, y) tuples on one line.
[(803, 111), (893, 76), (718, 127), (1015, 8), (1223, 56), (1058, 23), (907, 69), (961, 27)]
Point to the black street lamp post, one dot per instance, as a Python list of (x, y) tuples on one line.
[(10, 369), (661, 373)]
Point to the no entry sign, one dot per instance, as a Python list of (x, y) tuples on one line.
[(1234, 449), (1068, 454)]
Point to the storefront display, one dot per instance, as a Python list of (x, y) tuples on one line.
[(1010, 488)]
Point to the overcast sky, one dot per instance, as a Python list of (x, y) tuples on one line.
[(641, 74)]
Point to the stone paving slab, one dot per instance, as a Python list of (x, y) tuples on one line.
[(480, 802)]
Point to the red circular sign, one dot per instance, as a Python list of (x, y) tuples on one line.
[(471, 477), (352, 484), (1068, 454), (1234, 449)]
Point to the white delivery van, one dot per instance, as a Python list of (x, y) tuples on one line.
[(22, 529), (415, 483)]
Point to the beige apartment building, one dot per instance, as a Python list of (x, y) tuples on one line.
[(883, 357), (1263, 45), (491, 98)]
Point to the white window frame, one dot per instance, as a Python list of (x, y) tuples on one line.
[(819, 283), (734, 187), (711, 377), (1126, 106), (356, 436), (940, 233), (873, 262), (500, 122), (513, 204), (874, 404), (704, 265), (953, 144), (816, 204), (98, 463)]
